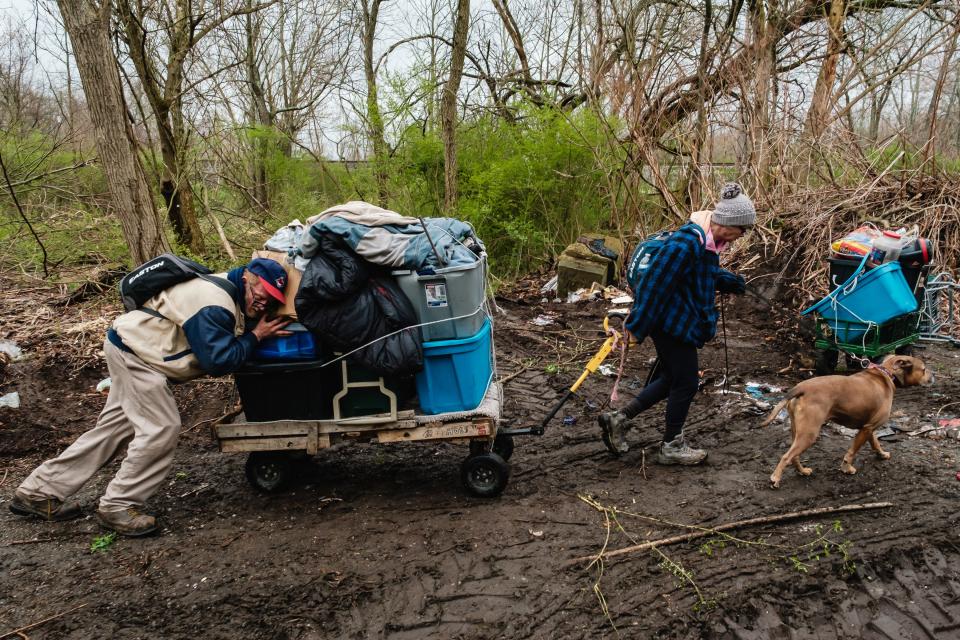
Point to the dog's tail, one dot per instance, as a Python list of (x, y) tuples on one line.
[(780, 405)]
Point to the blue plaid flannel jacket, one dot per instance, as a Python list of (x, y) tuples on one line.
[(677, 293)]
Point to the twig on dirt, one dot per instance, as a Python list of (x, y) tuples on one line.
[(231, 540), (202, 487), (31, 541), (19, 632), (5, 472), (949, 404), (513, 375), (807, 513), (215, 421)]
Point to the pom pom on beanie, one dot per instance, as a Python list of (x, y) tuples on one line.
[(734, 209)]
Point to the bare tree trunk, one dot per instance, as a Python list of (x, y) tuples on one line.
[(259, 113), (819, 114), (930, 148), (375, 128), (448, 104), (88, 24), (695, 180), (757, 109), (165, 97)]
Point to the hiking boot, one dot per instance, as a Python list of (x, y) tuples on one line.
[(677, 452), (49, 509), (613, 428), (130, 522)]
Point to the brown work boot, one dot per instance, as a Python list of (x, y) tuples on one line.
[(49, 509), (129, 522)]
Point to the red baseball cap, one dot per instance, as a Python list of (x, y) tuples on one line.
[(272, 276)]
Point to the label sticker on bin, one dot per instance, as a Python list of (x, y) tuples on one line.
[(436, 294)]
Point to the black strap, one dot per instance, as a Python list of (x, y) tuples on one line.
[(223, 283)]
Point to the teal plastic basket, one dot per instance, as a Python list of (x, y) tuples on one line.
[(867, 298)]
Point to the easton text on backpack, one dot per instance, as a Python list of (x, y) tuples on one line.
[(161, 273)]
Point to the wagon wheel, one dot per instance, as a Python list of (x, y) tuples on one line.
[(268, 471), (485, 475)]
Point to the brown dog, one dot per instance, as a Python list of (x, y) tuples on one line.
[(860, 401)]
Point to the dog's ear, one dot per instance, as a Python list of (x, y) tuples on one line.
[(904, 363), (900, 366)]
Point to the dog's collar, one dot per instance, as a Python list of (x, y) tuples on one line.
[(885, 372)]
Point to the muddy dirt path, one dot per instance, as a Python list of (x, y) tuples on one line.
[(382, 541)]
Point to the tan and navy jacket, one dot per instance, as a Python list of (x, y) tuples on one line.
[(201, 331)]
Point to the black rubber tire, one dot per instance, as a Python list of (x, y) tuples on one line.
[(269, 471), (503, 445), (485, 475), (826, 362)]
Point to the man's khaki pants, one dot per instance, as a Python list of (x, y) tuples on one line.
[(141, 415)]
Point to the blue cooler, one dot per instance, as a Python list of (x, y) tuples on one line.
[(456, 373), (300, 345)]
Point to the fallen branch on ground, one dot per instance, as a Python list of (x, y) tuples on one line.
[(19, 632), (807, 513)]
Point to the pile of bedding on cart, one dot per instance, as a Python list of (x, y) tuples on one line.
[(345, 267)]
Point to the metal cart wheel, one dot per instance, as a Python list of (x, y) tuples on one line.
[(268, 471), (485, 475)]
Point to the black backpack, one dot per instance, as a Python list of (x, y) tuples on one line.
[(160, 274)]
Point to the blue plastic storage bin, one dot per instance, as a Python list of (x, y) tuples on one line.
[(872, 297), (300, 345), (456, 373)]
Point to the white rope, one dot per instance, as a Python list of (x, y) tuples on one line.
[(414, 326)]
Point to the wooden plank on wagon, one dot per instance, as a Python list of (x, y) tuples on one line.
[(359, 427), (298, 443), (278, 428), (436, 431)]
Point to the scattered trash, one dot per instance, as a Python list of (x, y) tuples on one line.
[(569, 420), (536, 534), (104, 385), (958, 475), (596, 292), (11, 349), (885, 433), (761, 389), (582, 295), (545, 319), (11, 400), (843, 431), (607, 370), (591, 405), (550, 286), (946, 428)]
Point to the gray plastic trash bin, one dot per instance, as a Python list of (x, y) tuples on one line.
[(445, 294)]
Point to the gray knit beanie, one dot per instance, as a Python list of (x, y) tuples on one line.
[(734, 208)]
